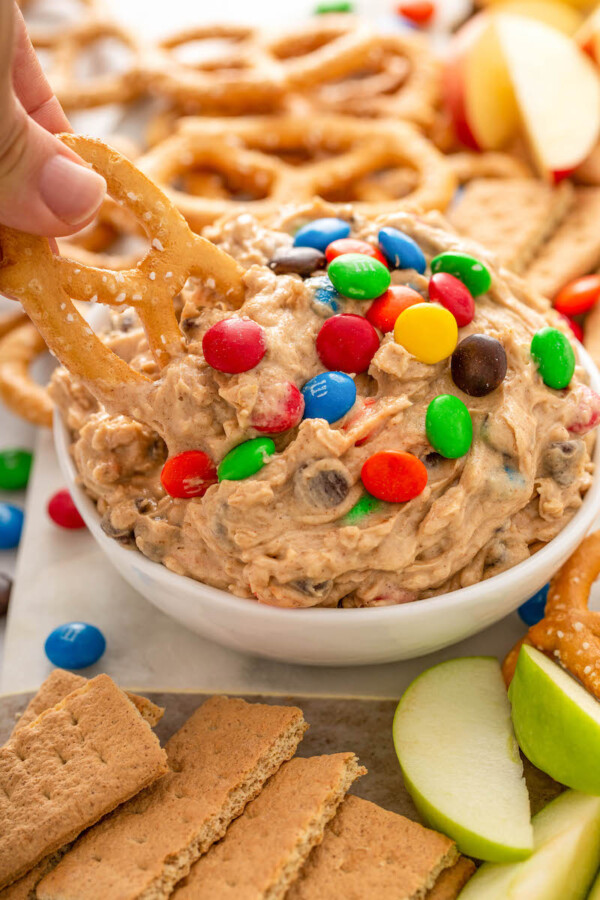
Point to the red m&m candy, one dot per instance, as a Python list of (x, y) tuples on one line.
[(278, 409), (384, 311), (353, 245), (234, 345), (575, 327), (189, 474), (420, 12), (63, 511), (454, 296), (578, 296), (347, 343), (394, 476)]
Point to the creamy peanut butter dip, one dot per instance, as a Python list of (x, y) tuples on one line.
[(281, 536)]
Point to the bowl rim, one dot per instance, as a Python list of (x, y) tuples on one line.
[(580, 523)]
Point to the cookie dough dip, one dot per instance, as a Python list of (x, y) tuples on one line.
[(388, 416)]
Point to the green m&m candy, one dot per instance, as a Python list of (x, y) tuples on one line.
[(359, 276), (362, 508), (466, 268), (449, 427), (246, 459), (15, 466), (555, 357)]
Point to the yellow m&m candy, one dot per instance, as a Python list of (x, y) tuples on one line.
[(427, 331)]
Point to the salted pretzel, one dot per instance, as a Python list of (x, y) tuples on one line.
[(47, 24), (19, 349), (252, 157), (45, 283), (569, 631)]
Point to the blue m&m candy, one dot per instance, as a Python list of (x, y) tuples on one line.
[(325, 299), (532, 611), (401, 251), (320, 233), (11, 526), (75, 645), (328, 396)]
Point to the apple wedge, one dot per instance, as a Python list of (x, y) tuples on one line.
[(460, 760), (552, 12), (557, 91), (566, 837), (556, 721)]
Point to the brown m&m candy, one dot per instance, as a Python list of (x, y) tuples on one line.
[(478, 365), (297, 261)]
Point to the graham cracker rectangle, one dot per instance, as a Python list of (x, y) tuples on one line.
[(69, 767), (368, 851), (59, 683), (511, 216), (219, 760), (263, 850), (452, 880), (574, 248)]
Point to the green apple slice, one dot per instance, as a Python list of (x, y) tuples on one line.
[(460, 760), (565, 859), (557, 722)]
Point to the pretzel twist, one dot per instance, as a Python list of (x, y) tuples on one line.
[(19, 348)]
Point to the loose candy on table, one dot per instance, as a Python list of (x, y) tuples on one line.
[(478, 365), (321, 232), (401, 251), (579, 296), (358, 276), (15, 468), (328, 396), (453, 296), (420, 12), (353, 245), (532, 611), (75, 645), (326, 299), (466, 268), (333, 6), (384, 311), (297, 261), (449, 426), (394, 476), (11, 526), (5, 590), (188, 474), (278, 410), (361, 509), (234, 345), (427, 331), (347, 343), (246, 459), (63, 511), (554, 356)]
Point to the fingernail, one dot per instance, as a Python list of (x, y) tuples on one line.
[(71, 191)]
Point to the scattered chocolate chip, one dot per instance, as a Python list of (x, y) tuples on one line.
[(188, 324), (312, 588), (328, 488), (121, 535), (297, 261), (479, 365), (145, 505), (432, 460), (562, 459), (127, 321), (5, 589)]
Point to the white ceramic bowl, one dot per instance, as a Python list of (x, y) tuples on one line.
[(336, 637)]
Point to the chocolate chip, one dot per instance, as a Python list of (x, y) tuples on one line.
[(297, 261), (562, 459), (145, 505), (5, 589), (312, 588), (121, 535), (432, 460), (328, 488), (479, 365)]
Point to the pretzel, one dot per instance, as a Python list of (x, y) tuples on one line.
[(47, 29), (250, 155), (569, 630), (19, 348), (45, 283)]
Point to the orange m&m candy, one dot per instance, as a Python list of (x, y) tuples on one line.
[(394, 476), (418, 11), (578, 296), (384, 311)]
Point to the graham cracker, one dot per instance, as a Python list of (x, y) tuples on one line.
[(59, 683), (452, 880), (220, 759), (574, 248), (368, 851), (263, 850), (24, 888), (511, 216), (69, 767)]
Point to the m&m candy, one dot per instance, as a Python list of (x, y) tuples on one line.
[(63, 511), (234, 345), (466, 268), (75, 645), (352, 245), (325, 298), (418, 11), (384, 311), (579, 296), (454, 296), (347, 343), (328, 396), (478, 365), (428, 332), (11, 526), (278, 409), (555, 357), (361, 509), (321, 232), (401, 251), (575, 328), (297, 261), (358, 276), (188, 474), (246, 459), (329, 7), (15, 466), (532, 611), (448, 426), (394, 476)]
